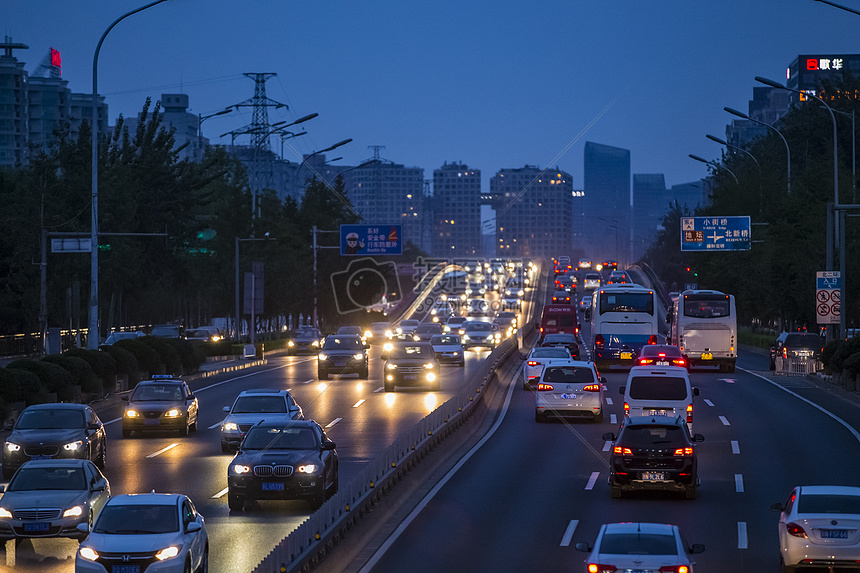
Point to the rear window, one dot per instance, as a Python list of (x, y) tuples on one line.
[(338, 343), (706, 305), (828, 503), (803, 341), (657, 388), (638, 544), (652, 435), (627, 302), (412, 351), (550, 353), (561, 320), (569, 374)]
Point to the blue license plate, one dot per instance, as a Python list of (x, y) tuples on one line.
[(409, 377), (125, 569), (153, 422), (40, 457), (834, 533), (273, 486), (568, 396), (37, 527)]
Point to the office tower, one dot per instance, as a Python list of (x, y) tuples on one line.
[(606, 204), (456, 211)]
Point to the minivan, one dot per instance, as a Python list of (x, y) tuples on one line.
[(659, 391)]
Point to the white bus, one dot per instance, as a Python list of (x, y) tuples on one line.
[(624, 318), (704, 325)]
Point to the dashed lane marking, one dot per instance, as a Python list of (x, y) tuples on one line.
[(221, 493), (378, 390), (724, 421), (736, 448), (613, 419), (333, 422), (568, 533), (609, 401), (162, 450), (359, 403), (592, 480), (708, 402), (739, 483), (742, 535), (606, 446)]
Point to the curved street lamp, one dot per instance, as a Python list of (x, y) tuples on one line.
[(93, 329), (787, 150), (715, 165), (200, 119)]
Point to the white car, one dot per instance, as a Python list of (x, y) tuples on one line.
[(571, 390), (406, 327), (448, 349), (145, 532), (252, 406), (537, 358), (819, 526), (659, 391), (455, 324), (645, 547), (482, 334)]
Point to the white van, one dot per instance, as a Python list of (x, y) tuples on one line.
[(659, 391)]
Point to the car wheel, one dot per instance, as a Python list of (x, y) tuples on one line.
[(691, 492), (772, 365), (364, 373), (102, 458), (786, 568), (462, 364), (598, 419), (318, 498), (187, 568), (539, 417), (235, 502), (225, 448), (183, 431), (322, 375), (194, 425), (389, 386), (730, 367), (204, 563), (615, 492)]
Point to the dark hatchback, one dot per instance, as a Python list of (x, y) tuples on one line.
[(653, 453), (621, 349), (55, 431), (562, 340), (162, 404), (343, 354), (277, 461)]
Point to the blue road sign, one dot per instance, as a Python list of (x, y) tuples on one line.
[(715, 234), (371, 240)]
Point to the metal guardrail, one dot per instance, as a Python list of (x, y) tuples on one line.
[(796, 365)]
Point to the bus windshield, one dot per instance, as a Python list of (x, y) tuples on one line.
[(627, 302), (706, 306)]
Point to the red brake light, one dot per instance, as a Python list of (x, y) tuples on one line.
[(626, 408), (599, 341), (645, 361), (591, 388), (652, 339), (622, 450), (544, 387), (684, 452), (661, 354), (680, 362), (674, 569), (532, 363), (598, 568), (795, 530), (689, 413)]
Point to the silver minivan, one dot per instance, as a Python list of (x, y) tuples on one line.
[(659, 391)]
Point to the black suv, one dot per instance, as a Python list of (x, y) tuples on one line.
[(795, 345), (653, 453), (344, 354), (55, 431), (411, 364)]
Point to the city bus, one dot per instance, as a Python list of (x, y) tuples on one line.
[(624, 318), (704, 325)]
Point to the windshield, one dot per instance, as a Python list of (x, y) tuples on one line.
[(658, 388), (569, 374), (638, 544), (627, 302), (828, 503), (157, 392), (706, 305), (50, 419), (258, 404), (445, 340), (803, 341), (652, 435), (565, 338), (133, 519), (336, 343), (280, 439), (550, 353), (52, 478), (479, 327), (412, 351), (409, 322)]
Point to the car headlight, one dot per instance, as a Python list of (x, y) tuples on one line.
[(12, 447), (73, 446), (388, 347), (431, 377), (240, 469), (428, 365), (173, 413), (167, 553), (230, 427), (290, 343), (315, 343), (322, 356), (435, 319), (368, 334), (216, 338), (5, 513), (389, 334), (74, 511), (391, 366), (433, 311), (88, 553), (465, 337), (399, 330), (131, 414), (416, 338), (306, 469), (358, 356)]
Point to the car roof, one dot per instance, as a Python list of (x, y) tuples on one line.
[(282, 424), (829, 489), (662, 370), (152, 498), (634, 527), (661, 347), (57, 406), (572, 362), (56, 462), (264, 392)]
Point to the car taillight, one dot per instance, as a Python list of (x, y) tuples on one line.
[(689, 413), (541, 329), (622, 451), (591, 388), (680, 362), (599, 341), (785, 353), (532, 363), (626, 409), (645, 361), (544, 387), (652, 339), (795, 530), (598, 568), (684, 452), (675, 569)]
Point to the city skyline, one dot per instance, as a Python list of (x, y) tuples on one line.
[(486, 84)]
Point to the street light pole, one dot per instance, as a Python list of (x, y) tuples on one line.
[(787, 150), (853, 158), (200, 119), (238, 317), (715, 165), (93, 330)]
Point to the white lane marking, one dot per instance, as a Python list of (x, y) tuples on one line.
[(708, 402), (308, 381), (568, 533), (736, 448), (609, 400), (728, 380), (742, 535), (213, 426), (221, 493), (333, 422), (357, 404), (371, 563), (606, 446), (739, 483), (162, 450), (613, 419), (724, 421), (592, 480), (378, 390)]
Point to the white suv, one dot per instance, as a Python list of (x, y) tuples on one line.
[(252, 406), (659, 391)]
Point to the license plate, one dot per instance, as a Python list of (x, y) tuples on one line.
[(409, 377), (833, 533), (657, 412), (626, 356), (662, 363), (36, 527), (40, 457), (707, 356), (273, 486), (568, 396), (653, 476), (125, 569), (152, 422)]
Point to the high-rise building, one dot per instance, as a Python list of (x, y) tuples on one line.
[(606, 204), (386, 193), (651, 201), (534, 211), (14, 100), (693, 195), (456, 211), (175, 116), (808, 72)]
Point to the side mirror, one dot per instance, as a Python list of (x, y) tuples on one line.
[(695, 391), (93, 426), (698, 438), (191, 397), (621, 390), (777, 507), (2, 488), (124, 398), (328, 445), (697, 548), (583, 546), (83, 528), (603, 380), (225, 409), (193, 527), (100, 485), (609, 437)]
